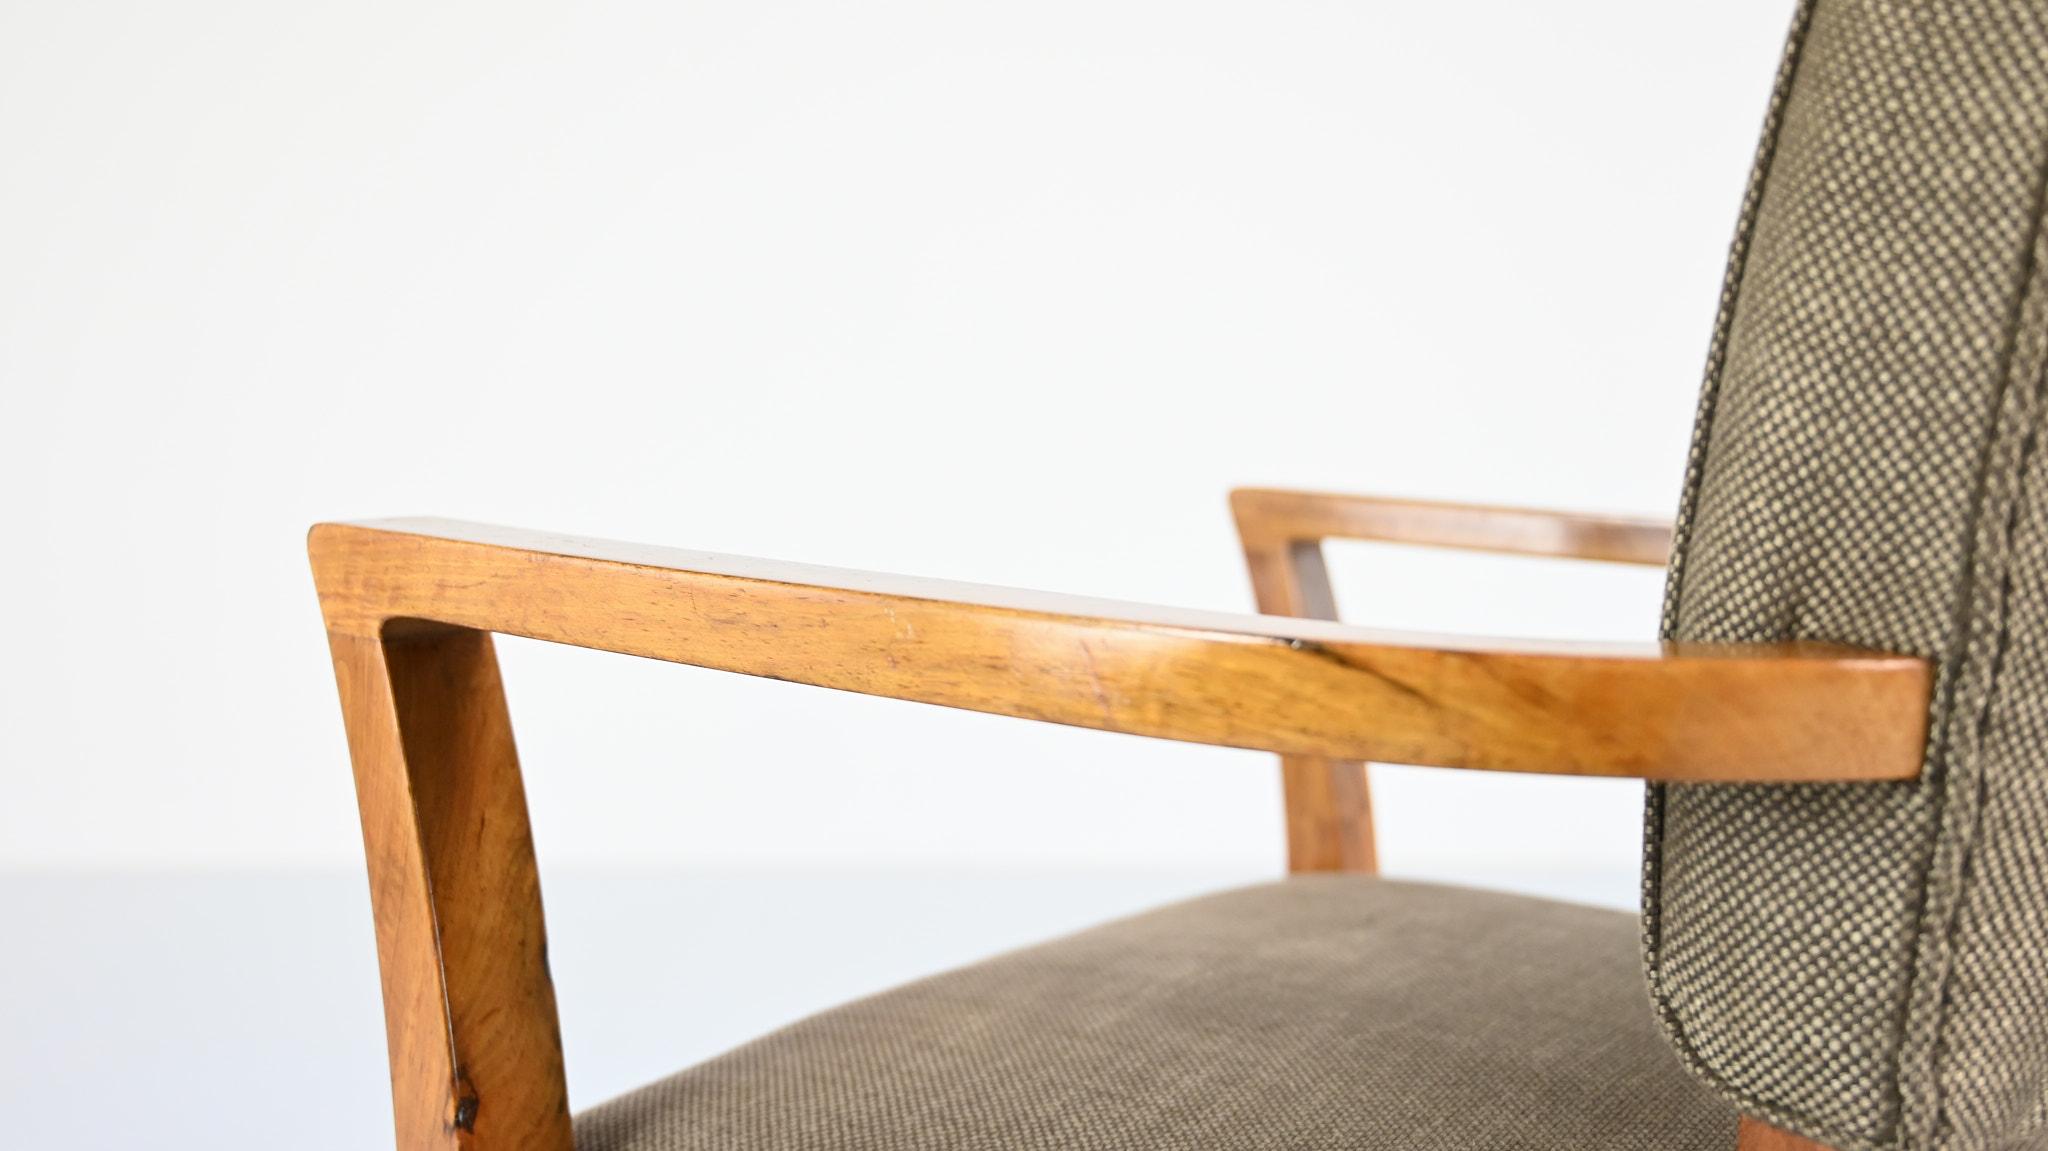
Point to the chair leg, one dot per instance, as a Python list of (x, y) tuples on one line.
[(1329, 815), (469, 1008), (1756, 1135), (1328, 801)]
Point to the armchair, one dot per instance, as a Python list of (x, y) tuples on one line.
[(1844, 734), (410, 605)]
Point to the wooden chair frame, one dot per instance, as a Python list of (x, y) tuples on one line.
[(1328, 803), (476, 1059)]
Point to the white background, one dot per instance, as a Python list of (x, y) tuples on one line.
[(1010, 293)]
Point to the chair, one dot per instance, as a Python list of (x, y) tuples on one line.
[(1844, 730)]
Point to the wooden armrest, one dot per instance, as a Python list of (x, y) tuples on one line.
[(1268, 514), (1796, 711), (1282, 533)]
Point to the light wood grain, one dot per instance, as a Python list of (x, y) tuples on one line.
[(469, 1009), (1756, 1135), (1266, 514), (1658, 711), (1328, 802)]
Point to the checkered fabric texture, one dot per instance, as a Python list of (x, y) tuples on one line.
[(1868, 964), (1323, 1013)]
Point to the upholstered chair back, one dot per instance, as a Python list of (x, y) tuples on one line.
[(1868, 963)]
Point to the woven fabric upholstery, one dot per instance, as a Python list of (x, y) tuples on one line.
[(1329, 1012), (1868, 964)]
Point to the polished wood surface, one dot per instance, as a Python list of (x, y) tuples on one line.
[(1266, 514), (1328, 802), (469, 1009), (1795, 711), (1756, 1135)]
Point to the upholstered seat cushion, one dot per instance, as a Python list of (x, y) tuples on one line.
[(1318, 1012)]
